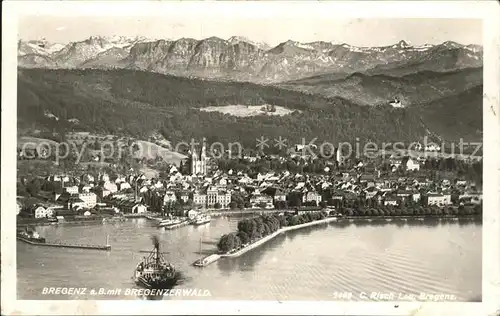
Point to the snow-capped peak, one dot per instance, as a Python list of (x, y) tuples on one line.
[(401, 44), (238, 39)]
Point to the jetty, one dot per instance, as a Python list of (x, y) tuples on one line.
[(106, 247)]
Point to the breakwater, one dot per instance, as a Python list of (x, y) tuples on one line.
[(276, 233), (244, 212), (64, 245), (266, 239)]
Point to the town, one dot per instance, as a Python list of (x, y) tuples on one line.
[(366, 187)]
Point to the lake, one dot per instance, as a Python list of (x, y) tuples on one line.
[(336, 261)]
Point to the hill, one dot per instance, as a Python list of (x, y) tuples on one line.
[(136, 103), (460, 114), (416, 88)]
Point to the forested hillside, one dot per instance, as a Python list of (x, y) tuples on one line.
[(136, 103)]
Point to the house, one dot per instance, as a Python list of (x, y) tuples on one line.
[(407, 195), (257, 200), (139, 208), (110, 186), (438, 199), (391, 200), (39, 211), (311, 196), (72, 189), (169, 197), (129, 206), (89, 199), (412, 165), (471, 195), (279, 196), (432, 147), (123, 186)]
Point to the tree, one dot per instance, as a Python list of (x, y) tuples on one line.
[(226, 243), (244, 238), (295, 200), (217, 205)]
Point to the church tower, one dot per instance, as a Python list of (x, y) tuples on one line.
[(199, 160), (203, 157)]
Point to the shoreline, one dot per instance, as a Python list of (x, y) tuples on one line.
[(419, 217), (339, 219), (276, 233)]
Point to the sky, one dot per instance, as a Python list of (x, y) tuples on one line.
[(271, 30)]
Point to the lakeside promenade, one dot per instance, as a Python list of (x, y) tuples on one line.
[(276, 233)]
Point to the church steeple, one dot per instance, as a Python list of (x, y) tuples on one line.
[(204, 148), (198, 160)]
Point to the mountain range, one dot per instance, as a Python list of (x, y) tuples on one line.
[(412, 89), (139, 86), (240, 59)]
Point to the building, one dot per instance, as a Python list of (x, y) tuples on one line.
[(139, 208), (169, 197), (89, 199), (412, 165), (223, 198), (258, 200), (409, 195), (391, 200), (438, 199), (396, 103), (124, 186), (72, 189), (199, 199), (199, 161), (40, 212), (311, 196), (110, 186), (279, 196)]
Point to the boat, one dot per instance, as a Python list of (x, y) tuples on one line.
[(203, 262), (154, 272), (202, 219), (30, 235), (169, 222)]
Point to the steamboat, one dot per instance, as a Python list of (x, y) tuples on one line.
[(169, 222), (30, 236), (154, 272), (202, 219)]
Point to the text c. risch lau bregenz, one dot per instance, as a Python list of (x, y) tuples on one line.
[(126, 292)]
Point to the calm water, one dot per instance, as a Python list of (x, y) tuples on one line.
[(434, 257)]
